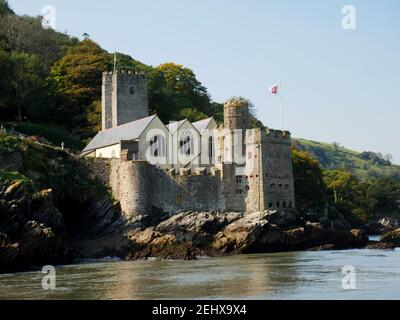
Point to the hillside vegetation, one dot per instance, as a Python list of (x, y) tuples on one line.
[(362, 164)]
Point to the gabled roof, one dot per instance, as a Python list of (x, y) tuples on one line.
[(202, 124), (129, 131), (174, 126)]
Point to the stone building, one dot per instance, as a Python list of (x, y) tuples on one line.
[(184, 166)]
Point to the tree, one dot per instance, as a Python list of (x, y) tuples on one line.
[(309, 185), (192, 114), (342, 184), (26, 83), (172, 88), (26, 34), (5, 8), (77, 79)]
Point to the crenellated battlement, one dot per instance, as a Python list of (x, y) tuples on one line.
[(278, 134), (123, 72)]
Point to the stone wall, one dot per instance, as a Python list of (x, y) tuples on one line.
[(278, 171), (265, 182), (130, 99), (124, 98)]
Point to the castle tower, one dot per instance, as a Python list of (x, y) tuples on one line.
[(236, 118), (236, 114), (124, 98)]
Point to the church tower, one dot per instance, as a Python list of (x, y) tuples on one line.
[(124, 98)]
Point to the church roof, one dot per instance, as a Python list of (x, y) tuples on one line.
[(174, 126), (129, 131), (202, 124)]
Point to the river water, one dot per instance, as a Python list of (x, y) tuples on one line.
[(294, 275)]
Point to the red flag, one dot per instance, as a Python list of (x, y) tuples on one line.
[(274, 90)]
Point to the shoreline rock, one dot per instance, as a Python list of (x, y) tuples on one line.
[(191, 234)]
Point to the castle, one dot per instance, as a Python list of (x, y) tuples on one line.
[(183, 166)]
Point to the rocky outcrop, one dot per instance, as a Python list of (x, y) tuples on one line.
[(392, 237), (191, 234), (31, 228)]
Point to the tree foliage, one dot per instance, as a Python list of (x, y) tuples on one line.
[(308, 181)]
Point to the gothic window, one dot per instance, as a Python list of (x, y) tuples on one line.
[(157, 146), (186, 144)]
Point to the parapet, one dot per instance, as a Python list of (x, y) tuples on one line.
[(278, 134), (123, 73)]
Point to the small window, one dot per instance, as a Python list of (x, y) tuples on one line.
[(211, 147), (278, 204), (239, 191), (270, 205), (132, 90), (239, 179), (290, 205), (284, 205)]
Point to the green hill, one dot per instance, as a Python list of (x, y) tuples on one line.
[(363, 164)]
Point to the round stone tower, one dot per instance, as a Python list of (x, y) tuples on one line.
[(236, 114)]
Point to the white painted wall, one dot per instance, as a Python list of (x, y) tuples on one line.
[(113, 151)]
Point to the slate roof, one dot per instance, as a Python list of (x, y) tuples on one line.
[(129, 131), (174, 126), (202, 124)]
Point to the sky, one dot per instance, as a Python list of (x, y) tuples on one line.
[(337, 84)]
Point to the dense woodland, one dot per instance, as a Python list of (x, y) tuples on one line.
[(50, 86)]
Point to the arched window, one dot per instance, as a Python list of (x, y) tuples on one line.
[(157, 146), (186, 143), (210, 147)]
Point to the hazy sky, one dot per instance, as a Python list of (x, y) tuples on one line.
[(338, 85)]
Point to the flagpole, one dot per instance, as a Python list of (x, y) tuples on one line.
[(115, 60), (281, 106)]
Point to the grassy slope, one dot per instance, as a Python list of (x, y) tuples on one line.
[(45, 167), (332, 158), (53, 134)]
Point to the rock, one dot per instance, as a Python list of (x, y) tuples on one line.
[(392, 237), (283, 219), (380, 245), (324, 247)]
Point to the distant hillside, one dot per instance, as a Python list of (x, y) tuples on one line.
[(363, 164)]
